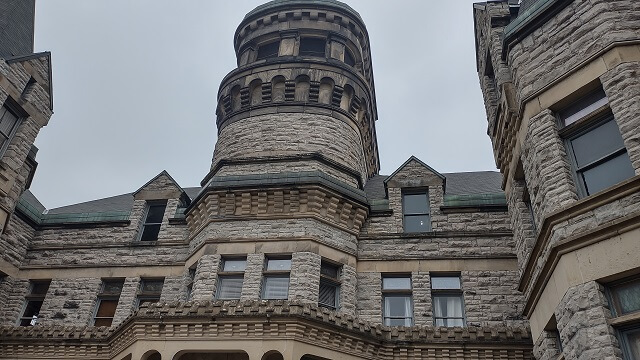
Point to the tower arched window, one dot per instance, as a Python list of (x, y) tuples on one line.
[(313, 47), (268, 50)]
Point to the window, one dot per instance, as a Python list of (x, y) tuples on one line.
[(33, 302), (107, 302), (152, 221), (269, 50), (624, 297), (348, 58), (396, 300), (312, 47), (276, 278), (8, 124), (149, 292), (594, 144), (230, 279), (192, 276), (329, 295), (415, 208), (448, 309)]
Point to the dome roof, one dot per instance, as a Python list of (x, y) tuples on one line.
[(275, 4)]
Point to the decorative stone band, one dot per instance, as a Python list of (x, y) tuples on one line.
[(305, 194), (184, 321)]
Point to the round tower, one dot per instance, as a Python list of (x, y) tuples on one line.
[(302, 98)]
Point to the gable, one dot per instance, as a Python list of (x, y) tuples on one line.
[(414, 173), (160, 187)]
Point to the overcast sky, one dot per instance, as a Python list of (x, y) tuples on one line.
[(135, 86)]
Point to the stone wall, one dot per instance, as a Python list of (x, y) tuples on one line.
[(547, 347), (206, 277), (252, 284), (491, 298), (12, 295), (304, 283), (70, 301), (522, 222), (127, 301), (369, 297), (15, 240)]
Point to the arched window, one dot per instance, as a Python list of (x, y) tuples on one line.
[(235, 98), (302, 88), (347, 95), (277, 92), (255, 88), (326, 91)]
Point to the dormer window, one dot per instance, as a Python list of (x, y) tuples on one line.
[(313, 47), (153, 221), (269, 50), (415, 211)]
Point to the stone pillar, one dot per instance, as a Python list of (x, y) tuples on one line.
[(252, 277), (127, 301), (551, 182), (546, 347), (204, 282), (304, 283), (70, 301), (582, 321), (369, 297), (422, 307), (348, 289), (173, 289), (13, 293), (622, 86)]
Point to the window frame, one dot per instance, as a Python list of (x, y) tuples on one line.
[(315, 54), (415, 191), (598, 116), (447, 293), (397, 293), (145, 223), (12, 107), (148, 295), (625, 346), (31, 297), (328, 281), (266, 274), (222, 274), (269, 55), (108, 297), (191, 280)]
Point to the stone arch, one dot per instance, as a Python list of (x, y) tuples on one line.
[(211, 355), (272, 355), (347, 95), (255, 92), (326, 91), (151, 355), (302, 88), (277, 90), (236, 103)]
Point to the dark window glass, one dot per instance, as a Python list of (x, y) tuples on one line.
[(8, 123), (626, 297), (585, 106), (269, 50), (40, 288), (631, 343), (275, 287), (312, 47), (597, 143), (33, 302), (608, 173), (415, 208), (448, 305), (396, 283), (328, 296), (329, 270), (151, 286), (229, 287), (234, 265), (112, 287), (348, 59), (153, 221), (445, 283), (107, 302)]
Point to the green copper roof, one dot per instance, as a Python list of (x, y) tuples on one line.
[(272, 5)]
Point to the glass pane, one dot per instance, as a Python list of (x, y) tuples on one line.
[(7, 123), (449, 322), (445, 282), (234, 265), (312, 47), (229, 288), (279, 264), (396, 283), (107, 308), (583, 107), (417, 223), (608, 173), (328, 295), (632, 339), (32, 308), (155, 214), (446, 306), (329, 270), (268, 50), (113, 287), (39, 288), (153, 286), (415, 204), (597, 143), (150, 232), (398, 322), (397, 306), (103, 322), (276, 287), (29, 322), (627, 298)]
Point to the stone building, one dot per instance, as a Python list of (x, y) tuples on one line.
[(295, 247), (561, 83)]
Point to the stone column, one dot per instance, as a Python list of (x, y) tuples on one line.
[(348, 289), (369, 301), (173, 289), (422, 307), (252, 277), (622, 86), (127, 301), (204, 282), (582, 321), (304, 282)]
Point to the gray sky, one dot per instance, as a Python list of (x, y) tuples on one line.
[(135, 86)]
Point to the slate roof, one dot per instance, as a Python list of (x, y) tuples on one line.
[(16, 27)]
